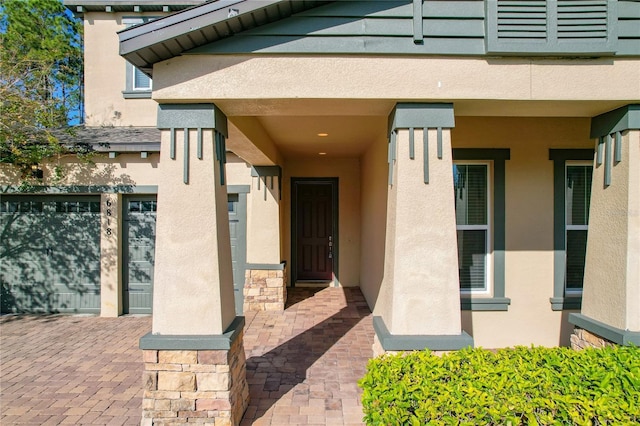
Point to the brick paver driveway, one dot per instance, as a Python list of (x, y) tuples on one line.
[(302, 364)]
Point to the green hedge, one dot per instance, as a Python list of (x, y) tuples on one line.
[(517, 386)]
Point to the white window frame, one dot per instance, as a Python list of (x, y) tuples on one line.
[(131, 91), (571, 163), (488, 228)]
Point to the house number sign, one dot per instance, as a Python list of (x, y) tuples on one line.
[(109, 213)]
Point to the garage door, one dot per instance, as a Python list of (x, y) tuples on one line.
[(140, 240), (140, 236), (50, 254)]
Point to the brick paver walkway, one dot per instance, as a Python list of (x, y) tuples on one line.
[(302, 364)]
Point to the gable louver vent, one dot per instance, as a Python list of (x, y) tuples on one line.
[(551, 27)]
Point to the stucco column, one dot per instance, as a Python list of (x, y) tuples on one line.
[(110, 255), (194, 357), (421, 308), (611, 293), (266, 275)]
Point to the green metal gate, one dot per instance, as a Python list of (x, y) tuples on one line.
[(50, 254), (140, 241)]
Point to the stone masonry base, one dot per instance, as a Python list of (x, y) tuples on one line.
[(582, 339), (195, 386), (265, 290)]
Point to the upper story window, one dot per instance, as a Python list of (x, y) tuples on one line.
[(138, 84), (140, 80), (553, 27)]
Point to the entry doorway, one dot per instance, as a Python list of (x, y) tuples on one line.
[(314, 230)]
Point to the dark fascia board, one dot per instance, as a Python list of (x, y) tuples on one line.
[(421, 115), (135, 40), (128, 5), (618, 120)]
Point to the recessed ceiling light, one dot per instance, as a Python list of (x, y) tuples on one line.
[(322, 153), (323, 135)]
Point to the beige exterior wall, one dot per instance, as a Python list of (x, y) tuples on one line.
[(105, 76), (529, 226), (192, 220), (125, 169), (228, 79), (373, 196), (347, 170), (612, 273)]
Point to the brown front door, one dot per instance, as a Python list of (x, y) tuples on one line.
[(314, 233)]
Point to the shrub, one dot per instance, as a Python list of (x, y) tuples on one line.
[(517, 386)]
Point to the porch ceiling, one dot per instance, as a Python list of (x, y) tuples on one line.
[(352, 125)]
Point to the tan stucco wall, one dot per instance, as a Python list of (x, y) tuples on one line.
[(529, 226), (228, 79), (373, 196), (192, 219), (347, 170), (612, 273), (125, 169), (105, 73), (421, 271)]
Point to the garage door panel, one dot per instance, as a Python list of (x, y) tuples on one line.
[(140, 232), (50, 259)]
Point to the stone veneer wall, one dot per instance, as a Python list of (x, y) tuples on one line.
[(582, 339), (265, 290), (195, 386)]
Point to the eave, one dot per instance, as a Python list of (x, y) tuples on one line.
[(164, 38)]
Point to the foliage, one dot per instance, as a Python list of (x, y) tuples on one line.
[(519, 386), (40, 82)]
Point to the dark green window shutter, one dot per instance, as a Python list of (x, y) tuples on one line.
[(552, 27)]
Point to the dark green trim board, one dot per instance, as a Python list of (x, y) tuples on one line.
[(498, 156), (559, 158), (192, 116), (418, 116), (264, 172), (613, 334), (83, 189), (391, 342), (485, 304), (223, 341), (238, 189), (198, 117), (618, 120), (267, 266)]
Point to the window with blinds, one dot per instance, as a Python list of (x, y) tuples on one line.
[(472, 225), (577, 198), (140, 80), (138, 84)]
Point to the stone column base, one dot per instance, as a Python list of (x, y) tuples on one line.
[(265, 289), (194, 385), (582, 339)]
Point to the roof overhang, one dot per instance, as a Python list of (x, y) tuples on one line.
[(82, 6), (164, 38)]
